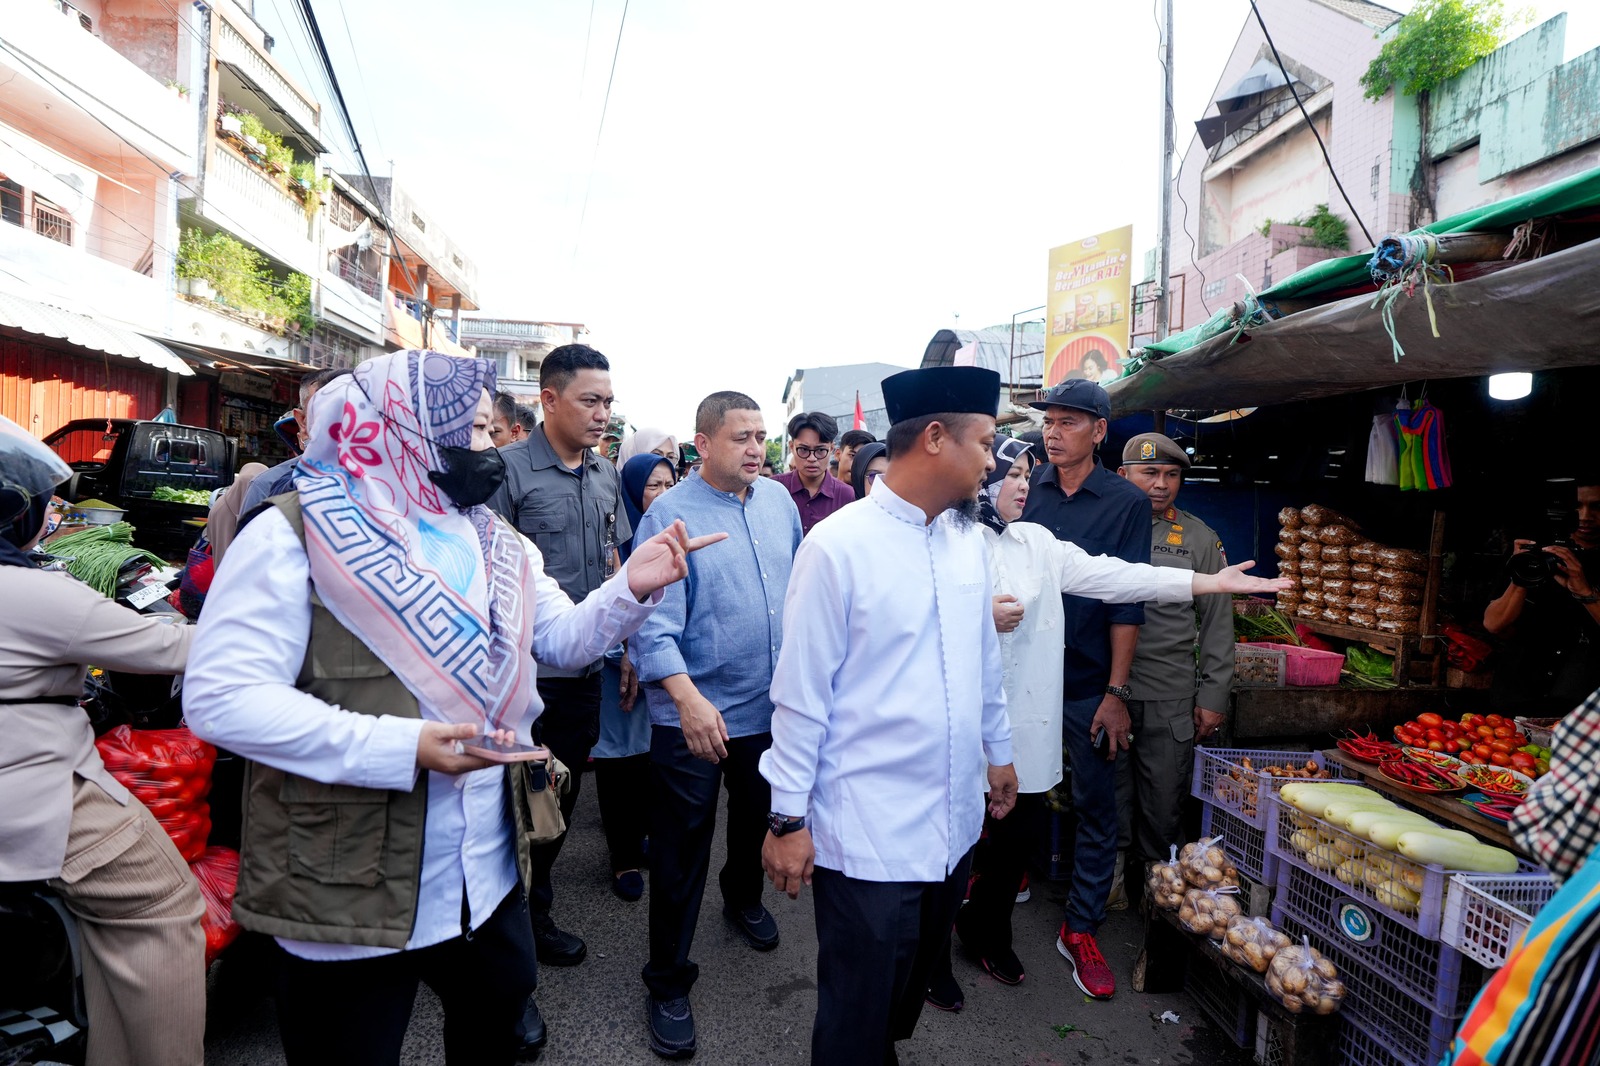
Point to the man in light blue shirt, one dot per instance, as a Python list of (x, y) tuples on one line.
[(888, 703), (705, 659)]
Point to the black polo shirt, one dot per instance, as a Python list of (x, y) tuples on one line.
[(1108, 515), (567, 513)]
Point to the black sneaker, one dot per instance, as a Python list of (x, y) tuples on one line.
[(1003, 965), (557, 948), (944, 993), (531, 1035), (755, 924), (671, 1027), (629, 886)]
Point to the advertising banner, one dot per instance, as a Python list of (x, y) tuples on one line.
[(1090, 289)]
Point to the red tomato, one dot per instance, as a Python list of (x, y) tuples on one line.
[(1500, 758), (1521, 760), (1495, 720), (1472, 721), (1486, 732), (1435, 745), (1502, 746), (1435, 733), (1520, 739), (1429, 720), (1482, 751), (1471, 759), (1450, 729), (1463, 744), (1502, 732)]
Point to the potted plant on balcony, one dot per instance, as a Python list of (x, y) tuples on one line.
[(230, 120)]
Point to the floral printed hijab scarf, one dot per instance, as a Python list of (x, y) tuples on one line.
[(443, 595)]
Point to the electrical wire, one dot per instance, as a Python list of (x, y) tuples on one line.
[(1312, 126), (1177, 186), (600, 132)]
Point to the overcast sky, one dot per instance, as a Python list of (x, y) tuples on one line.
[(776, 186)]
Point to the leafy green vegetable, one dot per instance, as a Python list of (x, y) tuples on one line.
[(198, 497), (98, 553), (1267, 624)]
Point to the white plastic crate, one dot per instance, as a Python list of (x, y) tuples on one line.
[(1220, 778), (1485, 915)]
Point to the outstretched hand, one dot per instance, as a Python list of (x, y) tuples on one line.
[(664, 558), (1232, 579)]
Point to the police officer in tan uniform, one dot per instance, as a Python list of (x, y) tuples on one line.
[(1183, 666)]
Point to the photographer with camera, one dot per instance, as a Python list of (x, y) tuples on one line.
[(1550, 611)]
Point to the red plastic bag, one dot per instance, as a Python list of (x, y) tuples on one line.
[(217, 870), (169, 771)]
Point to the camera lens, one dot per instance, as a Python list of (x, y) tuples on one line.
[(1533, 568)]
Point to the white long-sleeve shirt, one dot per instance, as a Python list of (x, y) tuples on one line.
[(887, 694), (1028, 562), (239, 693)]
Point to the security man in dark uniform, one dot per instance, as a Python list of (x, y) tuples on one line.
[(566, 498), (1179, 697)]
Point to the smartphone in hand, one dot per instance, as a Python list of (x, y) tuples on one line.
[(487, 748), (1099, 739)]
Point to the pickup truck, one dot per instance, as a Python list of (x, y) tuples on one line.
[(123, 461)]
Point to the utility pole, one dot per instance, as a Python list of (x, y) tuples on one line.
[(1164, 255), (1164, 260)]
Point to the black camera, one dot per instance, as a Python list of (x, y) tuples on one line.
[(1536, 568)]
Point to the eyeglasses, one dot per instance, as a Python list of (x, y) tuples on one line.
[(812, 453), (873, 475)]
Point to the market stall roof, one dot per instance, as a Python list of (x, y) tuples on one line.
[(42, 320), (1542, 314), (1580, 192), (211, 355)]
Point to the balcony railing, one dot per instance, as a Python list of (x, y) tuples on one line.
[(239, 53), (241, 198), (360, 279)]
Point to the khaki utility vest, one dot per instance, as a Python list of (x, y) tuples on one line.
[(333, 863)]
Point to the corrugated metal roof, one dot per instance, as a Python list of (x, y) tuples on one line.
[(993, 351), (42, 320), (1375, 15)]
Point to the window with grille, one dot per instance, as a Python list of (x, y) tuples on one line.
[(10, 201), (50, 221), (342, 213)]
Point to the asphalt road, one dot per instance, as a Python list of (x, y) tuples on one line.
[(754, 1008)]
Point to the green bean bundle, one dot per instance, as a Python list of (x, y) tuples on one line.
[(99, 553)]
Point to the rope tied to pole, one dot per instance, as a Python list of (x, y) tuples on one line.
[(1400, 263)]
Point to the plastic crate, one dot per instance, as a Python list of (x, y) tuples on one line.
[(1409, 1030), (1260, 665), (1398, 960), (1222, 1000), (1219, 778), (1485, 915), (1245, 844), (1284, 821), (1310, 667), (1358, 1047)]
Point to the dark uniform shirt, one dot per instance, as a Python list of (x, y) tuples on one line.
[(1106, 516), (570, 515), (1552, 659), (1164, 663)]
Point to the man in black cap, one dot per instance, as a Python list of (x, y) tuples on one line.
[(1081, 501), (887, 704), (1174, 705)]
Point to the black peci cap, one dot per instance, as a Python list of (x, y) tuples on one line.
[(936, 390)]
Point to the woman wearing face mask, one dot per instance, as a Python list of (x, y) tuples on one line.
[(1029, 569), (369, 623), (63, 818), (622, 755)]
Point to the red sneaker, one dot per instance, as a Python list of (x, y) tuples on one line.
[(1089, 969)]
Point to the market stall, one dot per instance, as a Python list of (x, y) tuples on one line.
[(1315, 413)]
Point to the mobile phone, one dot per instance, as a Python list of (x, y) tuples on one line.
[(486, 748), (1099, 740)]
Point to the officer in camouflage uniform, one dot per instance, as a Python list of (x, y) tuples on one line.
[(1183, 666)]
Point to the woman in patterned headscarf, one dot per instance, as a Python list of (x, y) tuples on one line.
[(367, 626)]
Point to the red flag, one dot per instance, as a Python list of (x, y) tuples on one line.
[(861, 420)]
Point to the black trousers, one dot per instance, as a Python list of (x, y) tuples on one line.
[(569, 727), (999, 860), (355, 1013), (877, 942), (683, 819), (622, 788)]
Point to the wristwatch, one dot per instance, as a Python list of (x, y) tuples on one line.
[(779, 824), (1593, 597), (1121, 692)]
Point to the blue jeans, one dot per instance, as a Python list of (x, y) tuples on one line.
[(1094, 795)]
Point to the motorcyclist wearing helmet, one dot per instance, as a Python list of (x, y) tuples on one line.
[(63, 818)]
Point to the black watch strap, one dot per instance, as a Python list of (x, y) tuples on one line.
[(1121, 692), (780, 824)]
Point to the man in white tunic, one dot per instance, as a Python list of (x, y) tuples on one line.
[(887, 706)]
